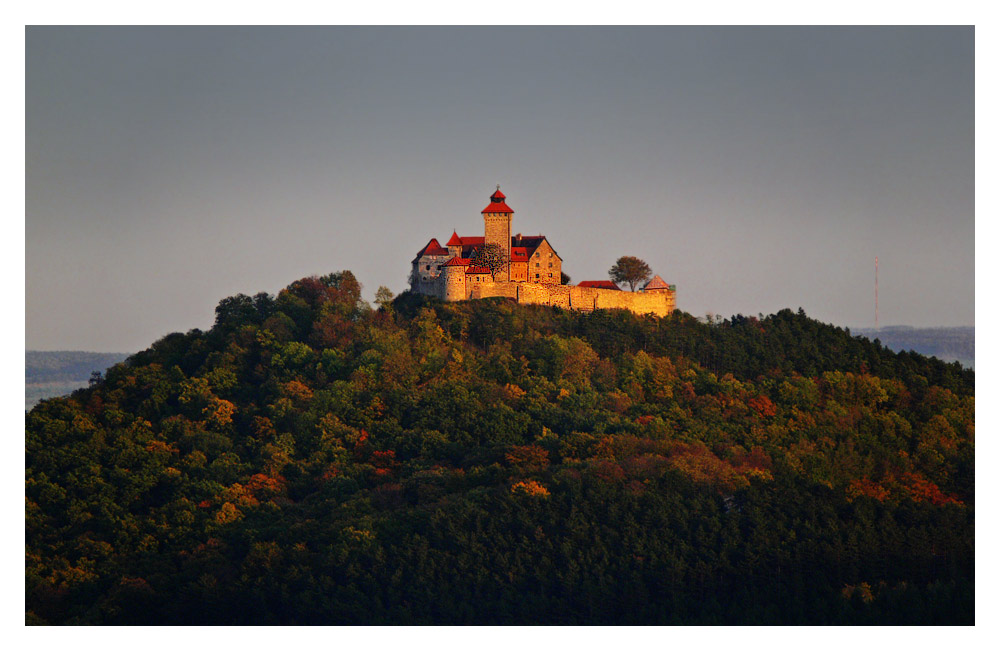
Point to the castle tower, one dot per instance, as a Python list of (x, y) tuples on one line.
[(656, 284), (496, 217), (453, 286), (454, 244)]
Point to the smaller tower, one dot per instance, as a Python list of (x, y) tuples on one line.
[(453, 275), (455, 245), (656, 284), (662, 290)]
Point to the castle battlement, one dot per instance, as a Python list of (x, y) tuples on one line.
[(532, 272)]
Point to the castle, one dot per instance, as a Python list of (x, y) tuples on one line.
[(530, 272)]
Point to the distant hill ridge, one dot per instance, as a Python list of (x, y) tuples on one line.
[(52, 373), (947, 344), (66, 365)]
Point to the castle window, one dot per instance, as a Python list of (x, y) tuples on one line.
[(428, 267), (536, 275)]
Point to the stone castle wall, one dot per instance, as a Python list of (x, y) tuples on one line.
[(536, 280), (570, 297)]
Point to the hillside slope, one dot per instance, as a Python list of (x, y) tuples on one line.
[(309, 460)]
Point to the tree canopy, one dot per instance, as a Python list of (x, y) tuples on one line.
[(383, 297), (630, 271), (310, 460), (491, 256)]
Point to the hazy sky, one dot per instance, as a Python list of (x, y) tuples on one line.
[(756, 168)]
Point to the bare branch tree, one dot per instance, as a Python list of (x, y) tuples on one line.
[(490, 256)]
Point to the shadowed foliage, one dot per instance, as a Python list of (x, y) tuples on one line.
[(310, 460)]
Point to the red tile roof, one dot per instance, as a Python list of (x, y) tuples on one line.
[(457, 262), (432, 248), (470, 245), (656, 283), (497, 203), (530, 241), (522, 246), (600, 284), (477, 270), (498, 206)]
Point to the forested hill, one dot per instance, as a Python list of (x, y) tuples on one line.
[(311, 460)]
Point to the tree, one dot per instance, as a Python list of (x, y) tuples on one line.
[(492, 257), (383, 297), (564, 278), (235, 311), (630, 270)]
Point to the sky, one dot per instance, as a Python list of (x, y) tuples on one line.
[(756, 168)]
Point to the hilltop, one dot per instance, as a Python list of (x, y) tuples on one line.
[(311, 460)]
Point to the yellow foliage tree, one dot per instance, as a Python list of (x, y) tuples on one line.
[(530, 488)]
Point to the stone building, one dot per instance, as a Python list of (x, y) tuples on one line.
[(532, 273)]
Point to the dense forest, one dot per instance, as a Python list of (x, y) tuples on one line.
[(311, 460)]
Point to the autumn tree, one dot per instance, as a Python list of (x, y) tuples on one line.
[(491, 256), (310, 462), (383, 297), (241, 309), (630, 270), (528, 457)]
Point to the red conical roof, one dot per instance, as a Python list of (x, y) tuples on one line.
[(497, 203), (455, 239), (498, 206), (656, 283), (432, 248)]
